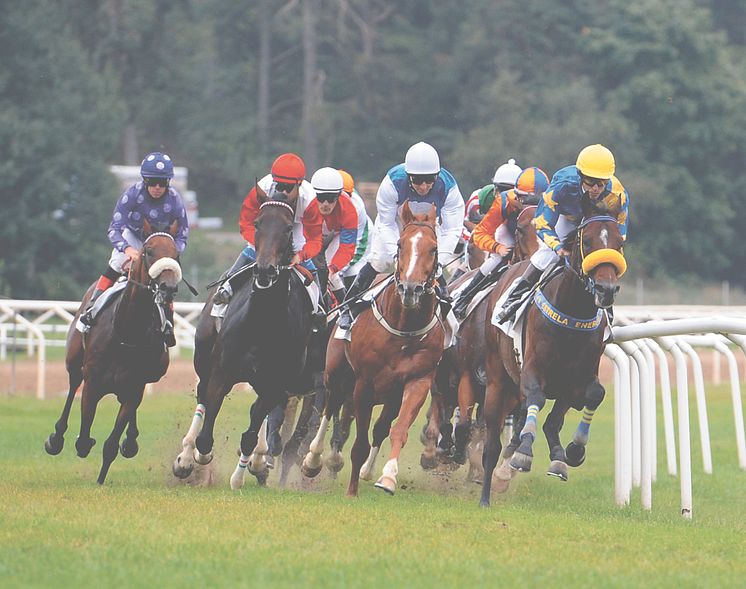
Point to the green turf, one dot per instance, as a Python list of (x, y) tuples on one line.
[(58, 528)]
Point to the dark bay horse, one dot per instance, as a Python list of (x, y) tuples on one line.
[(123, 351), (394, 349), (563, 340), (263, 340), (461, 376)]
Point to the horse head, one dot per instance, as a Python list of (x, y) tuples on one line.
[(274, 234), (599, 255), (417, 256), (526, 238), (158, 266)]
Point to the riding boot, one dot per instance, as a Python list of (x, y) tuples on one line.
[(339, 295), (225, 291), (363, 281), (464, 298), (319, 316), (530, 277), (105, 281), (445, 300)]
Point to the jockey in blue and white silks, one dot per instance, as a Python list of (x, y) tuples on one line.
[(585, 189), (421, 181)]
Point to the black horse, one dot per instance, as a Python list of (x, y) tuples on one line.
[(123, 351), (263, 340)]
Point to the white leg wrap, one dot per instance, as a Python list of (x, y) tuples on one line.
[(391, 468), (366, 470), (237, 478), (195, 427), (317, 444)]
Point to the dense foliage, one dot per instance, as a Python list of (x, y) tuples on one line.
[(225, 86)]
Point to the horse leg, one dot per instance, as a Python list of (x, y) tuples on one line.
[(127, 410), (463, 427), (184, 463), (362, 400), (475, 449), (415, 393), (575, 451), (503, 473), (290, 452), (380, 431), (552, 426), (428, 458), (342, 422), (498, 403), (275, 421), (88, 402), (129, 447), (55, 442), (333, 400), (249, 443), (535, 400), (217, 388)]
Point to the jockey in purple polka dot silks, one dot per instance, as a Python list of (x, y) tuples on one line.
[(155, 200)]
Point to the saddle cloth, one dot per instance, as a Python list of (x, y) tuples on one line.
[(102, 300)]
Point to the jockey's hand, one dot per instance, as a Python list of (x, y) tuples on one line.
[(132, 254), (296, 260), (501, 249), (563, 253)]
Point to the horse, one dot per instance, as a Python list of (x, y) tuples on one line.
[(263, 340), (391, 356), (563, 340), (123, 351), (461, 377)]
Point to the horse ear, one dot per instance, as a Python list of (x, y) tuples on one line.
[(173, 228), (261, 196), (406, 214), (146, 227)]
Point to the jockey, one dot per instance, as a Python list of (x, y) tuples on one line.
[(161, 204), (495, 234), (287, 172), (340, 223), (589, 187), (422, 182), (364, 231)]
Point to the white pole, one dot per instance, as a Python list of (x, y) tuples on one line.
[(622, 426), (735, 390), (699, 387), (668, 427), (652, 413), (634, 381)]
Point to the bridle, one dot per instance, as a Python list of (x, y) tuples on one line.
[(428, 286), (588, 262), (153, 270), (287, 254)]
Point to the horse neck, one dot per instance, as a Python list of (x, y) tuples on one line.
[(571, 297), (269, 304), (403, 319), (135, 310)]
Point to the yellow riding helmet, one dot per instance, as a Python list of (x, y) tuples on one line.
[(596, 161), (348, 183)]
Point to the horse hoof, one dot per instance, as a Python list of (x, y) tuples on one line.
[(53, 445), (83, 447), (386, 484), (521, 462), (459, 457), (335, 462), (310, 471), (261, 477), (558, 469), (484, 504), (203, 459), (181, 471), (575, 454), (428, 462), (129, 449)]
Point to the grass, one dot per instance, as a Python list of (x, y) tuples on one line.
[(141, 529)]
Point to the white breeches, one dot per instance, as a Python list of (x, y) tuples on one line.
[(545, 256), (492, 261), (118, 258)]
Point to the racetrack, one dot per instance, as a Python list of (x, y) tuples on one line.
[(144, 529)]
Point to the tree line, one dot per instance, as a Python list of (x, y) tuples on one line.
[(224, 87)]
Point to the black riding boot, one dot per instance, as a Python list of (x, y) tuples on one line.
[(225, 291), (362, 283), (466, 295), (86, 317), (169, 337), (445, 300), (528, 280)]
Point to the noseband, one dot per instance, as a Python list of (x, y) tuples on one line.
[(153, 270), (592, 260)]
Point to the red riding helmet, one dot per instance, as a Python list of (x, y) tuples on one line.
[(288, 168)]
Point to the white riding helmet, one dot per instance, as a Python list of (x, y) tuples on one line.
[(507, 173), (327, 180), (422, 158)]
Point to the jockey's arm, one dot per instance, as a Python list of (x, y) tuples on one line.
[(623, 215), (451, 222), (119, 219), (387, 205), (546, 218), (182, 231), (347, 237), (249, 213), (312, 232), (483, 235)]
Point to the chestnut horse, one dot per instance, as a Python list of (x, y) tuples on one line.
[(394, 349), (563, 340), (263, 341), (123, 351), (460, 379)]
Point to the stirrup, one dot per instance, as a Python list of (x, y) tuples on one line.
[(224, 294), (169, 338), (509, 310)]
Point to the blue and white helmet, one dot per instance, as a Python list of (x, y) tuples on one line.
[(157, 165)]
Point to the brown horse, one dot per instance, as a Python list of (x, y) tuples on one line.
[(460, 379), (123, 351), (563, 340), (394, 349)]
